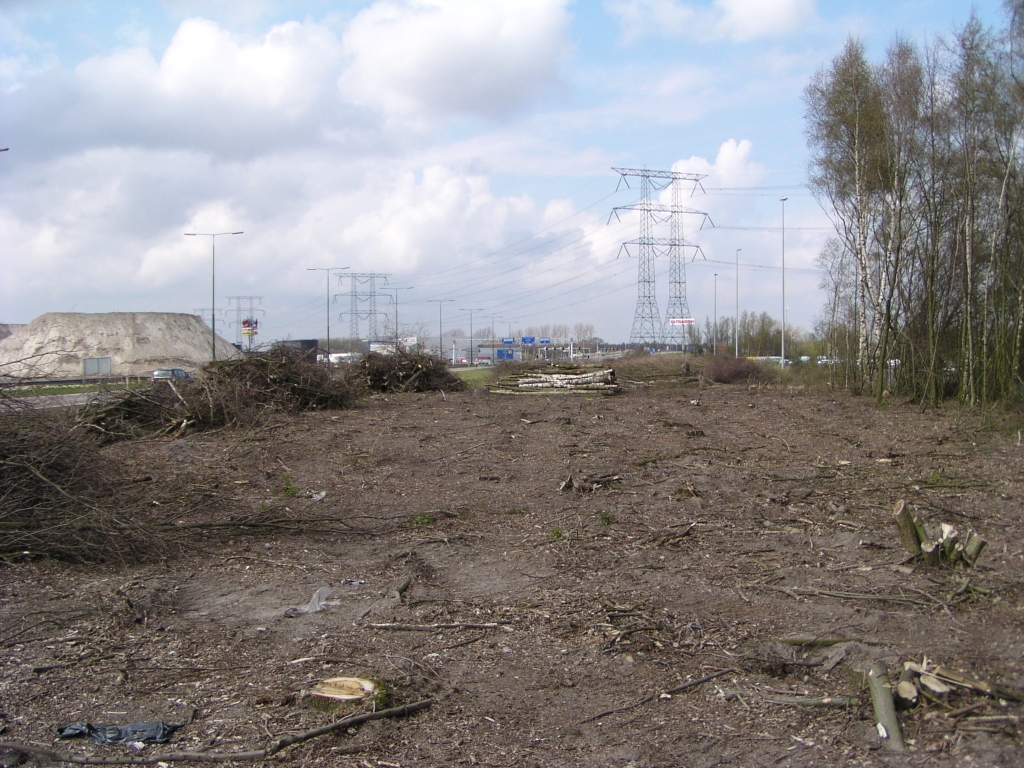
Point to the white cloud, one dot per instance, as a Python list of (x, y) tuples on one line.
[(737, 20), (442, 218), (455, 56), (732, 167), (209, 90), (638, 18), (748, 19), (178, 258)]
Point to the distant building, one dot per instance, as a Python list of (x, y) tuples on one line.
[(304, 347)]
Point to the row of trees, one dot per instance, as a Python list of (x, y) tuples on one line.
[(760, 336), (919, 159)]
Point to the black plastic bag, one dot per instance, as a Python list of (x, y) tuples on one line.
[(100, 733)]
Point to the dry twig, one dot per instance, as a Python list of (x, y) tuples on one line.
[(217, 757)]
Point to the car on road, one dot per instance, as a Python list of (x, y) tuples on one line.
[(170, 374)]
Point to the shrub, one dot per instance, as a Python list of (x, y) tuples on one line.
[(724, 369)]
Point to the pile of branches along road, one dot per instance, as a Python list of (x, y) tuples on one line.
[(229, 392), (57, 492), (404, 372)]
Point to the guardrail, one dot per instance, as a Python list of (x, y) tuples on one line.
[(71, 382)]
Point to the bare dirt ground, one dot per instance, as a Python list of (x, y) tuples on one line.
[(604, 595)]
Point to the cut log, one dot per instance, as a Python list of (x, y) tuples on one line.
[(885, 708), (908, 532), (922, 531), (934, 685), (906, 694), (931, 553), (973, 548)]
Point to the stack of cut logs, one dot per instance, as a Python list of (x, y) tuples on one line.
[(539, 383), (951, 547)]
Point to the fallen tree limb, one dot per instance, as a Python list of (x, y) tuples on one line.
[(653, 696), (885, 708), (821, 641), (797, 591), (812, 701), (217, 757), (435, 627), (795, 701)]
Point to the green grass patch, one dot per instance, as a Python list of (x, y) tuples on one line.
[(423, 519), (478, 376), (288, 487)]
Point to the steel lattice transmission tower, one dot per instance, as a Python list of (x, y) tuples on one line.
[(647, 328), (246, 324), (363, 302)]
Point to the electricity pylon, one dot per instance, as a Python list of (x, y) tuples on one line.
[(647, 328)]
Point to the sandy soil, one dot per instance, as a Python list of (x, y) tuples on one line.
[(700, 529)]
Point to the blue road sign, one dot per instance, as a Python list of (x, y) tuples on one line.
[(508, 341), (529, 339), (545, 341), (505, 354)]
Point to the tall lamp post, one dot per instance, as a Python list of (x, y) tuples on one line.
[(440, 329), (328, 270), (472, 354), (783, 201), (494, 332), (736, 323), (714, 343), (396, 290), (213, 284)]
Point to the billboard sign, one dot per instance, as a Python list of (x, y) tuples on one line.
[(681, 321)]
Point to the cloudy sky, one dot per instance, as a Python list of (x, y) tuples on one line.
[(462, 147)]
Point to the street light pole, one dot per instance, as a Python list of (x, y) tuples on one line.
[(783, 201), (472, 354), (714, 343), (328, 270), (494, 332), (396, 290), (440, 329), (736, 324), (213, 284)]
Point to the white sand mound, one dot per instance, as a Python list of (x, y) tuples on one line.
[(55, 345), (6, 329)]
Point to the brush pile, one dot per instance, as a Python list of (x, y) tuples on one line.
[(57, 496), (557, 379), (404, 372), (232, 392), (725, 369)]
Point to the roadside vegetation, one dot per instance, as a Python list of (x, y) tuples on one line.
[(918, 159)]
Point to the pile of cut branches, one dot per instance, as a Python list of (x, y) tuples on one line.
[(231, 392), (404, 372), (283, 380), (57, 492)]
